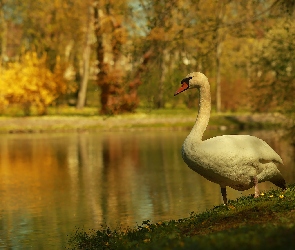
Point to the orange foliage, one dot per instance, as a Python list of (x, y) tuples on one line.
[(234, 94), (117, 96)]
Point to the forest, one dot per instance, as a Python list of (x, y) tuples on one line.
[(121, 55)]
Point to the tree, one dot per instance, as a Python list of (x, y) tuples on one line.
[(274, 77), (3, 33), (86, 60), (143, 47), (117, 95), (52, 27), (30, 83), (166, 23)]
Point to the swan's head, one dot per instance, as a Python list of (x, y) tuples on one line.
[(192, 80)]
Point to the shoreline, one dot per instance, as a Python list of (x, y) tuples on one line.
[(266, 222), (136, 121)]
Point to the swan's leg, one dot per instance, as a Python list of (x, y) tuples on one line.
[(223, 193), (256, 187)]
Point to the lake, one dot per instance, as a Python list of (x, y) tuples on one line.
[(51, 184)]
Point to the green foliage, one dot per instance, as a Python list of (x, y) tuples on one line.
[(247, 223), (274, 63)]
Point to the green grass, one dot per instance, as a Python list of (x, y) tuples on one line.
[(65, 118), (267, 222), (14, 111)]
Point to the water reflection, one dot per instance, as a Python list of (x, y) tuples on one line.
[(52, 183)]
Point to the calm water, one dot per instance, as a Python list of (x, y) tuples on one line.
[(52, 184)]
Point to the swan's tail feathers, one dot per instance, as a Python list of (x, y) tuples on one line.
[(279, 182)]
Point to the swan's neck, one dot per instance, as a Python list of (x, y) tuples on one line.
[(203, 115)]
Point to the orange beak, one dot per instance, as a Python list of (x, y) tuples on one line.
[(184, 86)]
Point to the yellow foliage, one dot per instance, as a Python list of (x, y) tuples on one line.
[(30, 83)]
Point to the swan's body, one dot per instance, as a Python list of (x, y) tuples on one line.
[(237, 161)]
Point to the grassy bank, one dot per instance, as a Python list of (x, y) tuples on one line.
[(267, 222), (71, 119)]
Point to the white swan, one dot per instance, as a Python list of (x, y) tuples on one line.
[(237, 161)]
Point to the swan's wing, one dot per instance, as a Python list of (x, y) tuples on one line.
[(239, 148), (232, 160)]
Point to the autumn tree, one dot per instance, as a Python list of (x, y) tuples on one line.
[(86, 57), (138, 50), (274, 61), (117, 95), (187, 36), (163, 34), (31, 84), (56, 28)]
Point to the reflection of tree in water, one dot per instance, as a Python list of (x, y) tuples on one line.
[(120, 160), (46, 158), (87, 178), (145, 178), (120, 152), (34, 169)]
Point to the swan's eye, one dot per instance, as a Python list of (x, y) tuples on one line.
[(186, 80)]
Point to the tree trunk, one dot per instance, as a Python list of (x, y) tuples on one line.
[(86, 61), (163, 69), (219, 39), (3, 34), (116, 95), (102, 67), (218, 77)]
